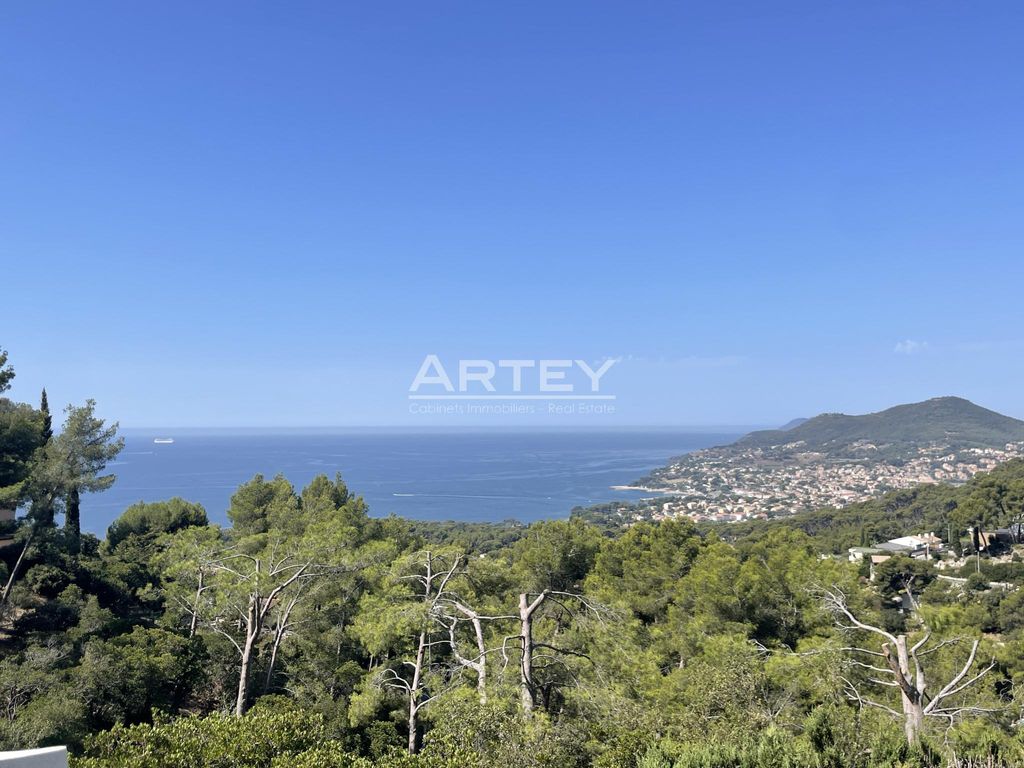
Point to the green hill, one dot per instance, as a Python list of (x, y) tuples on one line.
[(953, 421)]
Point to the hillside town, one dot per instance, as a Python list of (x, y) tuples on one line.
[(736, 483)]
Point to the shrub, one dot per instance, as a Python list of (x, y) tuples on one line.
[(217, 741)]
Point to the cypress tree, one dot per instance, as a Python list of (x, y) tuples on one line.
[(42, 502), (44, 408)]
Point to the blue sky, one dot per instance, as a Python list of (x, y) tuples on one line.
[(248, 213)]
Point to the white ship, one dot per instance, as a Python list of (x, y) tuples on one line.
[(163, 440)]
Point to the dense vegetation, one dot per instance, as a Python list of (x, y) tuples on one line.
[(310, 634)]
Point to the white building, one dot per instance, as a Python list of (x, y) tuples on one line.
[(49, 757)]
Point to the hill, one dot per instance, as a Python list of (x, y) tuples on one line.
[(792, 423), (951, 421)]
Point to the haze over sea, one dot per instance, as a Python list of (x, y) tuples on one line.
[(429, 475)]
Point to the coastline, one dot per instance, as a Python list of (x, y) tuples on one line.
[(642, 488)]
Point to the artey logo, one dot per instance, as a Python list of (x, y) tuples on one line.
[(556, 387), (559, 379)]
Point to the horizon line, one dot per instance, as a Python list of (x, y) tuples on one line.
[(437, 427)]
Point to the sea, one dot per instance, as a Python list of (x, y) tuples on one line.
[(475, 475)]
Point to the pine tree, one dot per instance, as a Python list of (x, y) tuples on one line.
[(72, 463), (73, 519)]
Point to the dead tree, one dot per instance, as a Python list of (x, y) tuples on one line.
[(531, 651), (431, 585), (456, 612), (904, 670)]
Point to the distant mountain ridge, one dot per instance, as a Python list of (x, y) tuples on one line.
[(793, 423), (947, 420)]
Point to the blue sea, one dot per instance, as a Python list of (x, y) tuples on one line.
[(472, 476)]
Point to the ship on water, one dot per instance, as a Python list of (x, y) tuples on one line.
[(163, 440)]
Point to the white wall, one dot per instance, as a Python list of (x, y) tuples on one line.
[(51, 757)]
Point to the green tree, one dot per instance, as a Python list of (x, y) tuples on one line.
[(250, 585), (323, 494), (44, 409), (402, 624), (125, 678), (556, 555), (550, 564), (6, 372), (260, 505), (42, 504), (21, 437), (708, 602), (903, 575), (246, 587), (149, 520), (73, 463), (643, 566)]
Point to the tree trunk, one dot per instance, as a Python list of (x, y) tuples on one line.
[(414, 741), (526, 664), (337, 659), (42, 511), (73, 520), (911, 691), (14, 570), (274, 646), (243, 679), (914, 721), (194, 623), (481, 668), (527, 688), (414, 696), (279, 630), (244, 673)]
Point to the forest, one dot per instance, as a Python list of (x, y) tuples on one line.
[(309, 633)]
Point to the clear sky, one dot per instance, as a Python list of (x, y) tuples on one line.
[(260, 213)]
